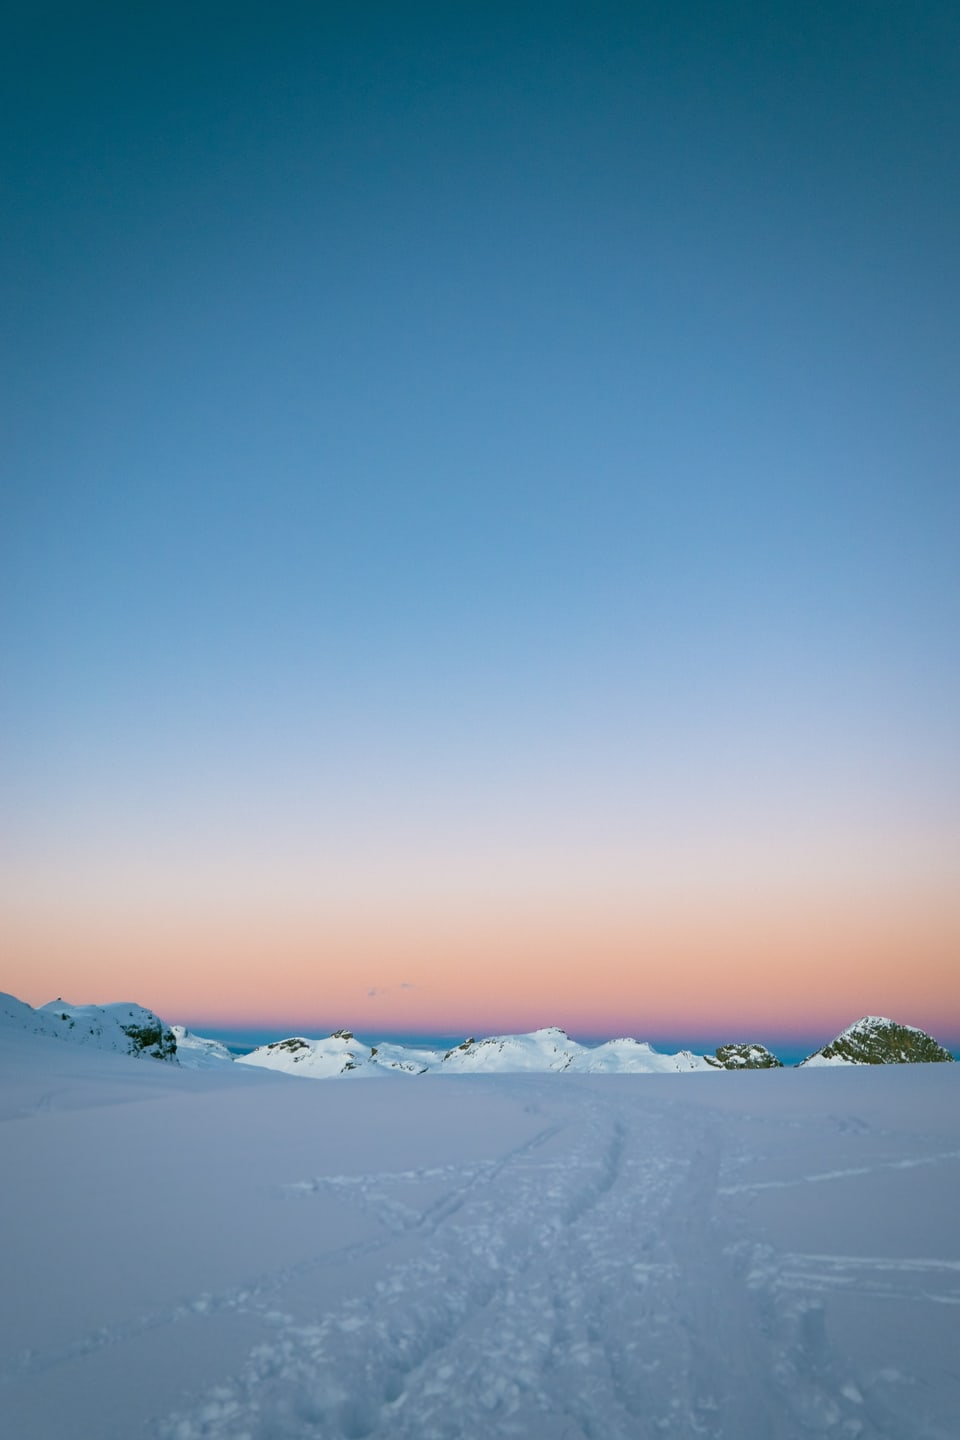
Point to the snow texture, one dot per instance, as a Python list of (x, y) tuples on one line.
[(221, 1253)]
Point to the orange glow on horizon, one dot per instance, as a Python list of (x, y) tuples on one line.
[(596, 965)]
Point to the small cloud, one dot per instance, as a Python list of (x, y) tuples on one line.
[(405, 985), (373, 991)]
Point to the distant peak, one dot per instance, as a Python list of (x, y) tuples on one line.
[(878, 1040), (744, 1055)]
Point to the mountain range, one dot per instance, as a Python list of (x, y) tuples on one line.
[(131, 1029)]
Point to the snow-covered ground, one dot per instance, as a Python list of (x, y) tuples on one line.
[(225, 1252)]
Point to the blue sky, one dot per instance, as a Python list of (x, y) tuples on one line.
[(476, 430)]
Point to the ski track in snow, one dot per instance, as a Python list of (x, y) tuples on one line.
[(867, 1275), (911, 1163), (601, 1279), (573, 1289)]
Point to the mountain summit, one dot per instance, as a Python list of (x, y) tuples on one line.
[(875, 1040)]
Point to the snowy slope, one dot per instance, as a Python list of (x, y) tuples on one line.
[(197, 1052), (124, 1028), (338, 1054), (611, 1258), (548, 1049), (877, 1040), (18, 1017), (628, 1056), (407, 1059)]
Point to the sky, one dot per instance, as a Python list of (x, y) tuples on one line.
[(479, 515)]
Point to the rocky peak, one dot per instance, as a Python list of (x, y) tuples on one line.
[(876, 1040), (743, 1056)]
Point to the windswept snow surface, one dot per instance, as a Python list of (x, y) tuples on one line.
[(224, 1253)]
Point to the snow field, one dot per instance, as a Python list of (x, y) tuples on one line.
[(560, 1257)]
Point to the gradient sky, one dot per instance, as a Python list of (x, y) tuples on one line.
[(480, 515)]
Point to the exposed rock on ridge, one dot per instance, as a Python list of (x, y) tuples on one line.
[(875, 1040), (743, 1057)]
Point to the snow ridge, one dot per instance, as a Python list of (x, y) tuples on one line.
[(539, 1051), (123, 1028)]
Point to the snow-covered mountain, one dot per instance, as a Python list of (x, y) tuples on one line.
[(339, 1054), (123, 1028), (539, 1051), (875, 1040), (553, 1049), (133, 1030), (872, 1040), (549, 1049)]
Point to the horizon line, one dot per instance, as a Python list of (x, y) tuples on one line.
[(708, 1040)]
